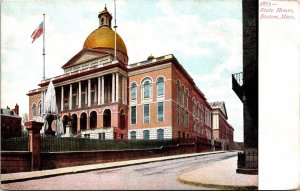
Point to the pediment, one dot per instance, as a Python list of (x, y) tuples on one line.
[(223, 109), (83, 56)]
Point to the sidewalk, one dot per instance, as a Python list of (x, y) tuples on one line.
[(220, 175), (22, 176)]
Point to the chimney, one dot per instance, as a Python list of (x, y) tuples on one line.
[(16, 110)]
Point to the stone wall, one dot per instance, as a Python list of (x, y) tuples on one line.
[(52, 160), (15, 161)]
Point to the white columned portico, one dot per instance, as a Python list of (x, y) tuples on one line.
[(117, 87), (99, 86), (102, 90), (79, 94), (70, 97), (62, 98), (89, 93), (113, 88)]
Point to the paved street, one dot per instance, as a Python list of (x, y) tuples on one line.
[(151, 176)]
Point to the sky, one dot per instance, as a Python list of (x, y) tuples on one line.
[(204, 35)]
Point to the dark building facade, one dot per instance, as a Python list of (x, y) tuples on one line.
[(10, 122), (245, 85)]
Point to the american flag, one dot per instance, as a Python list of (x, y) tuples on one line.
[(38, 32)]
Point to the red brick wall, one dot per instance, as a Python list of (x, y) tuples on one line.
[(65, 159), (15, 161), (166, 73), (179, 76)]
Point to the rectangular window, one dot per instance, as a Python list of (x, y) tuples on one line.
[(133, 135), (160, 111), (133, 114), (146, 134), (146, 113), (101, 136), (87, 136)]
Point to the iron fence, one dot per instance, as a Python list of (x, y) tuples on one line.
[(15, 143), (62, 144)]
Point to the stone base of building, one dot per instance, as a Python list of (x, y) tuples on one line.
[(247, 171)]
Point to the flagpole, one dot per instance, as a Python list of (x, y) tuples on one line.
[(115, 53), (44, 53)]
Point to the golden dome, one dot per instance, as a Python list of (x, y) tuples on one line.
[(104, 37)]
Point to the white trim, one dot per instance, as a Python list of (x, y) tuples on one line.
[(152, 132), (143, 81), (150, 102), (132, 100), (164, 85)]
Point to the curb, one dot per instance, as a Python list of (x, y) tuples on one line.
[(140, 161), (216, 186)]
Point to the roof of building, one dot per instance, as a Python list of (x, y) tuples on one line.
[(104, 37), (8, 112), (219, 105)]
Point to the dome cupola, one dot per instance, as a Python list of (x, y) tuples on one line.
[(105, 18), (103, 38)]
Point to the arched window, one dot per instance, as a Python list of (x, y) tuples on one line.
[(182, 94), (160, 134), (133, 135), (34, 110), (146, 134), (146, 88), (187, 98), (40, 108), (93, 120), (107, 118), (160, 86), (133, 91)]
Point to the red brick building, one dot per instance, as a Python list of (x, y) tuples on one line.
[(10, 122), (109, 99), (222, 130)]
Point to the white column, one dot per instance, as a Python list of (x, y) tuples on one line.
[(62, 98), (79, 96), (70, 97), (123, 90), (113, 88), (99, 85), (42, 103), (117, 87), (89, 92), (102, 89), (126, 88)]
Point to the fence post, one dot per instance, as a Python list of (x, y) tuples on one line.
[(34, 143)]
